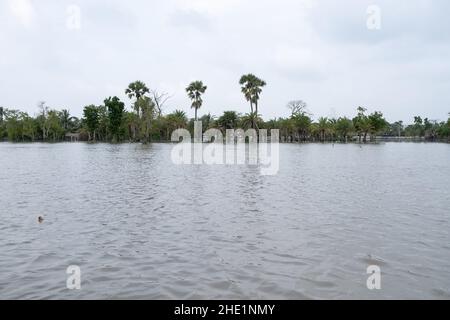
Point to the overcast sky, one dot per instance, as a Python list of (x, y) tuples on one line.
[(320, 51)]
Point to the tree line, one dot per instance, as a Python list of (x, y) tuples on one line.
[(146, 122)]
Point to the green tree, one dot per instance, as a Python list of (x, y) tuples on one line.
[(13, 124), (377, 123), (418, 127), (246, 89), (229, 120), (115, 116), (323, 127), (430, 128), (65, 119), (208, 121), (250, 120), (55, 129), (178, 119), (136, 90), (175, 120), (103, 123), (344, 127), (148, 112), (29, 127), (68, 122), (397, 128), (132, 124), (92, 120), (362, 124), (2, 129), (74, 124), (301, 123), (195, 91), (443, 130), (43, 119)]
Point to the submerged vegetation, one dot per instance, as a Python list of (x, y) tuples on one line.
[(146, 122)]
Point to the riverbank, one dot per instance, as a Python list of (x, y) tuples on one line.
[(354, 141)]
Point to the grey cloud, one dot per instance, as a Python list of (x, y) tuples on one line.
[(338, 21), (323, 54), (193, 19)]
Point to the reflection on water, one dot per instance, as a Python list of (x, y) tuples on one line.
[(140, 227)]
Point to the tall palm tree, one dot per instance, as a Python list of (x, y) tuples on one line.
[(252, 88), (195, 91), (137, 90), (246, 83), (256, 92)]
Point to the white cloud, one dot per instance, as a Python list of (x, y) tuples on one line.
[(22, 10)]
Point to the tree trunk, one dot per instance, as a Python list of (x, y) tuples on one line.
[(134, 131)]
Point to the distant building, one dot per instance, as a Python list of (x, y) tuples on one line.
[(72, 137)]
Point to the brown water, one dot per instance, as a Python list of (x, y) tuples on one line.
[(140, 227)]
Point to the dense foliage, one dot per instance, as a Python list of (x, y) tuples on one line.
[(146, 121)]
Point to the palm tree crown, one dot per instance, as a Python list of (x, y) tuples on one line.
[(195, 91), (137, 90), (252, 88)]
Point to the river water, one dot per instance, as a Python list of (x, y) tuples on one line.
[(140, 227)]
